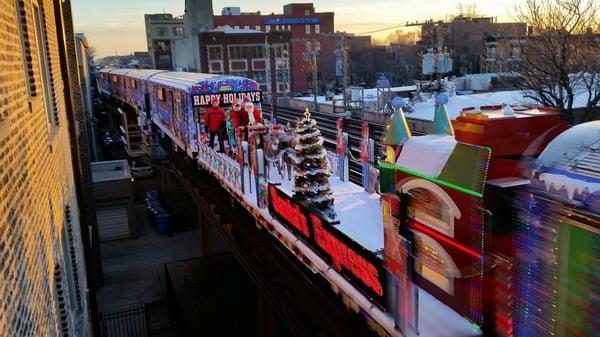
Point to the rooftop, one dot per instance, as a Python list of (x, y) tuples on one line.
[(103, 171)]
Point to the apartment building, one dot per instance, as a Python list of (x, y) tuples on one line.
[(43, 279)]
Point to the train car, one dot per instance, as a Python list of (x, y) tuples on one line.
[(113, 82), (137, 88), (448, 214), (556, 280), (178, 101)]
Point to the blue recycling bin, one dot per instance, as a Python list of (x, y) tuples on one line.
[(163, 223)]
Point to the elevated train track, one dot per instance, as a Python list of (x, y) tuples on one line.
[(305, 301)]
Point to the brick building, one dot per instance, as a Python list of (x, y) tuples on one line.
[(303, 23), (161, 30), (261, 56), (464, 36), (43, 279)]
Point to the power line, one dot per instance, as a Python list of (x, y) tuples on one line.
[(406, 24), (383, 29)]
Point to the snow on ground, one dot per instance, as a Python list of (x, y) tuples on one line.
[(425, 110), (370, 95)]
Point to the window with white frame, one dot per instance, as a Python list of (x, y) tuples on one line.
[(246, 27), (257, 27), (215, 52), (307, 29), (26, 46), (306, 12), (177, 31), (45, 66), (267, 28), (317, 29), (260, 76)]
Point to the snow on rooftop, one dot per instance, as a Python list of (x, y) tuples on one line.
[(103, 171), (230, 30)]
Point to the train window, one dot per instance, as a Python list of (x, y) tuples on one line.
[(434, 263), (133, 84), (431, 206), (115, 78), (161, 94)]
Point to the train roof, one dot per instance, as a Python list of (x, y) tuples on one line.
[(177, 79), (185, 80)]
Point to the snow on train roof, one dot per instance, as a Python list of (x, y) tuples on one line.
[(184, 80), (177, 79)]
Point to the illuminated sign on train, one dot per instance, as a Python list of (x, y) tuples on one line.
[(345, 255), (199, 100)]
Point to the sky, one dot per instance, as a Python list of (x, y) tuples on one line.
[(117, 26)]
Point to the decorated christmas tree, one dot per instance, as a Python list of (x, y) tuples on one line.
[(311, 169)]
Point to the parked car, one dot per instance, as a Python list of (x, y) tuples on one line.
[(141, 169)]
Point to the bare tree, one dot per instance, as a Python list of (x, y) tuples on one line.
[(467, 10), (559, 60), (402, 37)]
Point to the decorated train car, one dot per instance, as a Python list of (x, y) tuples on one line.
[(556, 280), (448, 214), (176, 101)]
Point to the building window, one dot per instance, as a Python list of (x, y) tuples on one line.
[(289, 28), (260, 76), (26, 48), (161, 31), (257, 27), (45, 65), (178, 31), (307, 29), (258, 52), (317, 29), (237, 65), (306, 12), (244, 52), (215, 52), (216, 67), (246, 27), (259, 65), (283, 75), (267, 28), (281, 51), (236, 52), (70, 251), (239, 73)]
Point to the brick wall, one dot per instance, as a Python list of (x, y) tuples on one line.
[(42, 273)]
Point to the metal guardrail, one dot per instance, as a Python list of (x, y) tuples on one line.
[(129, 321)]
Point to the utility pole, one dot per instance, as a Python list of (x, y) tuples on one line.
[(312, 50), (345, 74), (315, 74)]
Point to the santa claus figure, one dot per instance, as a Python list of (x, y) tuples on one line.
[(250, 115)]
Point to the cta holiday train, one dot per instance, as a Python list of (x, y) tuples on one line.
[(469, 233)]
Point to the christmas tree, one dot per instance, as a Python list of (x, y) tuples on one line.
[(311, 168)]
